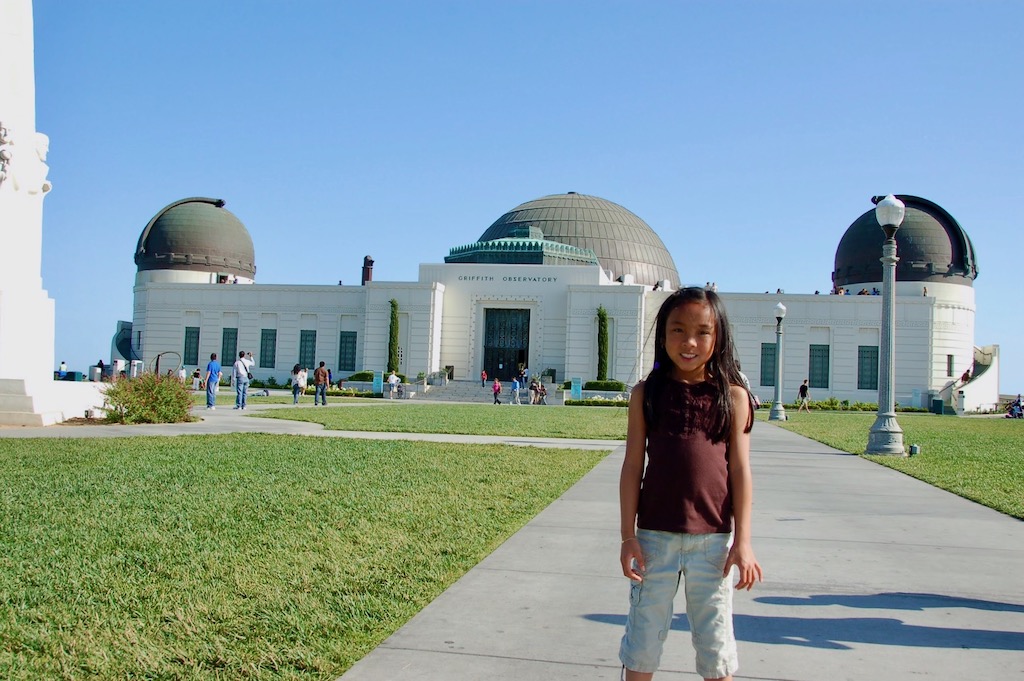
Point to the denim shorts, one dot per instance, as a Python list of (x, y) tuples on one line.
[(697, 559)]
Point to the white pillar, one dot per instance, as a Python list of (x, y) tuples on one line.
[(26, 311)]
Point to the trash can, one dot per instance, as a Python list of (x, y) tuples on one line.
[(937, 406), (95, 374)]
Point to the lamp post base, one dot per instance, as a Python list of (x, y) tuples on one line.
[(777, 413), (885, 437)]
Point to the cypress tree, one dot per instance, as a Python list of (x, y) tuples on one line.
[(602, 343), (393, 338)]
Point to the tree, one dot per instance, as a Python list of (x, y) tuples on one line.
[(393, 338), (602, 343)]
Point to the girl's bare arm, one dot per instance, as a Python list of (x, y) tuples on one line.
[(742, 553), (629, 485)]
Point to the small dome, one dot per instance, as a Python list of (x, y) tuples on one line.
[(197, 235), (930, 244), (623, 243)]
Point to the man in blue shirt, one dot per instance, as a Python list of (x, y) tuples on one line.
[(213, 372)]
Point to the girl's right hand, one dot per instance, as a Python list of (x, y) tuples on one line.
[(632, 559)]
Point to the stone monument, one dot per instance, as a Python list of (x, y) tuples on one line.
[(27, 391)]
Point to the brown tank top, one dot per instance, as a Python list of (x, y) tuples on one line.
[(686, 483)]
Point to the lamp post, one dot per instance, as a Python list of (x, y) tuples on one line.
[(886, 436), (778, 412)]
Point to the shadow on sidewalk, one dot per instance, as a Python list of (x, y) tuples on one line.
[(835, 633)]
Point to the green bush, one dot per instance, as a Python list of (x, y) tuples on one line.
[(361, 376), (609, 386), (148, 398), (833, 404)]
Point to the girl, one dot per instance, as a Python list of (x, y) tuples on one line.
[(691, 420), (496, 389), (298, 382)]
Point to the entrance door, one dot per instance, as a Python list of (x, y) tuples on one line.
[(506, 342)]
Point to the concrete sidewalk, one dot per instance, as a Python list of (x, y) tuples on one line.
[(870, 574)]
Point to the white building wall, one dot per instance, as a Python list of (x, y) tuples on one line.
[(442, 324), (471, 289), (844, 323), (625, 306)]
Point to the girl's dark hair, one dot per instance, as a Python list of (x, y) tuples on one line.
[(723, 368), (296, 368)]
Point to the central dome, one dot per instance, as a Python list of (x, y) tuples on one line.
[(624, 244)]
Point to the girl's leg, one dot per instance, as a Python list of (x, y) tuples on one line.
[(651, 604), (709, 605)]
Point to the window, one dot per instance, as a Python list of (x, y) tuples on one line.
[(949, 365), (867, 367), (347, 351), (307, 348), (229, 346), (817, 366), (268, 348), (767, 363), (191, 354)]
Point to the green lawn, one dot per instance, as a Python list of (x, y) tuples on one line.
[(593, 423), (980, 458), (243, 556)]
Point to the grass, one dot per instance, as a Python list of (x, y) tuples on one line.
[(978, 458), (243, 556), (477, 419)]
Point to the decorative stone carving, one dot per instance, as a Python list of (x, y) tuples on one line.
[(26, 169)]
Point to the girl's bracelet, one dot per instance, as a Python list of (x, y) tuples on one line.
[(628, 539)]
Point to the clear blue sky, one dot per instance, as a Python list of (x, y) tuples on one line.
[(749, 135)]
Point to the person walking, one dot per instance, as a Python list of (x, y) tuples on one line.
[(213, 374), (393, 381), (298, 382), (483, 378), (496, 389), (685, 516), (514, 397), (240, 378), (803, 396), (321, 379)]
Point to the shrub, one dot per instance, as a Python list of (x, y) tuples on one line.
[(363, 376), (148, 398), (608, 386)]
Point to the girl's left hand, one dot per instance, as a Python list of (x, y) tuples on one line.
[(742, 556)]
